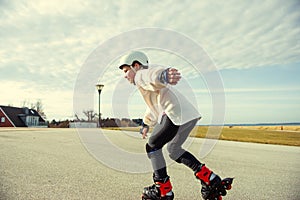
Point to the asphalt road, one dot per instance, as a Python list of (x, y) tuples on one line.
[(56, 164)]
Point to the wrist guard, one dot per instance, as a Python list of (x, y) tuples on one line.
[(144, 126), (163, 77)]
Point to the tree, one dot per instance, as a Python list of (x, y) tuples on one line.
[(77, 118), (25, 103), (38, 106), (90, 114)]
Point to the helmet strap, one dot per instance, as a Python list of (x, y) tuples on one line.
[(133, 69)]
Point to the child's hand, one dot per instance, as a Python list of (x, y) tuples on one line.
[(173, 76), (144, 132)]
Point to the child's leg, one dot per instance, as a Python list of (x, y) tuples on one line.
[(212, 185), (161, 134), (176, 151)]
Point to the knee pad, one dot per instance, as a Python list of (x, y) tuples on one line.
[(150, 149)]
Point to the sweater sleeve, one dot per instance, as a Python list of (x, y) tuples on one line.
[(149, 79)]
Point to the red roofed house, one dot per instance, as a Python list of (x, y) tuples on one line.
[(20, 117)]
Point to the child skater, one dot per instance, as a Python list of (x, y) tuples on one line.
[(173, 118)]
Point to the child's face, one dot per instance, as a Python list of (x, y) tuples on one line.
[(129, 74)]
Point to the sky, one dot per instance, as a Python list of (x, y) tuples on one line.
[(252, 48)]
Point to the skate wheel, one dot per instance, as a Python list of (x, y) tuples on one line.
[(227, 183), (222, 192), (229, 187)]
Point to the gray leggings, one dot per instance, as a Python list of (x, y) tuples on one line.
[(175, 136)]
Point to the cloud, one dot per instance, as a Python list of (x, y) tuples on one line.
[(250, 34), (235, 34)]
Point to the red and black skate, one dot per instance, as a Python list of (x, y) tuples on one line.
[(213, 188), (160, 190), (216, 191)]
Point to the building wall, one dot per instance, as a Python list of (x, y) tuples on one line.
[(32, 121), (6, 122), (83, 125)]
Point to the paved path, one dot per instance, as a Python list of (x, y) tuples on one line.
[(54, 164)]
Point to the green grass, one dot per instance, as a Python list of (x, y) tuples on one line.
[(262, 135)]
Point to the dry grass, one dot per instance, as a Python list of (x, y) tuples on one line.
[(290, 135), (266, 135)]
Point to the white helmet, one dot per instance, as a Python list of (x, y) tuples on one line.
[(133, 56)]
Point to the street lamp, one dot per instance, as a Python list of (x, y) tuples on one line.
[(99, 88)]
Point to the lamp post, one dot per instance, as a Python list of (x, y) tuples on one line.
[(99, 88)]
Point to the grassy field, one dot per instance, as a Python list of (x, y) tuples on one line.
[(287, 135)]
